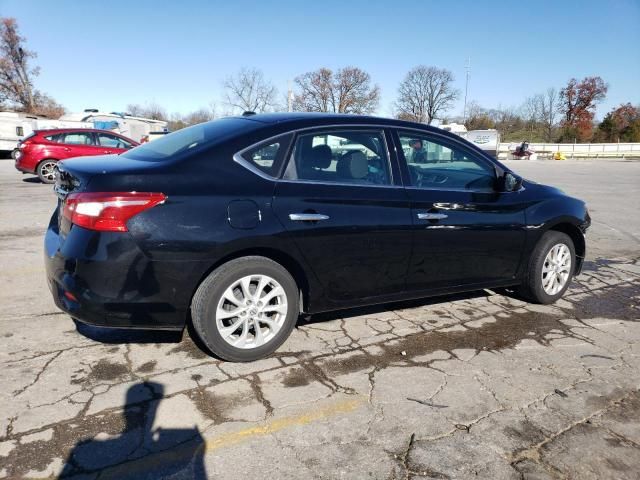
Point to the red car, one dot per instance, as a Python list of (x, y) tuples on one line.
[(40, 152)]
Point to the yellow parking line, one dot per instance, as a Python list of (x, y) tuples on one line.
[(181, 452), (282, 423)]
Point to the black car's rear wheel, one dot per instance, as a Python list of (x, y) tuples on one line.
[(245, 309), (47, 171), (550, 269)]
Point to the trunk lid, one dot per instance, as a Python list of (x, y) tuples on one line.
[(75, 175)]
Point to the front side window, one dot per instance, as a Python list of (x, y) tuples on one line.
[(437, 164), (78, 138), (340, 156), (111, 141)]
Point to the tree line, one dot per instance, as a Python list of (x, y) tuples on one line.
[(426, 93)]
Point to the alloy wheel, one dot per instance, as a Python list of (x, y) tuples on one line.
[(48, 171), (251, 311), (556, 269)]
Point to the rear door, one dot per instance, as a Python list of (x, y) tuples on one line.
[(341, 202), (78, 144), (465, 232)]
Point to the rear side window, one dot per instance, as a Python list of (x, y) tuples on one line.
[(340, 156), (191, 139), (78, 138), (267, 157), (57, 138)]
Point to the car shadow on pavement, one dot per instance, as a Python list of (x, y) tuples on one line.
[(31, 180), (126, 335), (385, 307), (133, 449)]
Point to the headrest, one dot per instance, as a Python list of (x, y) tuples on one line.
[(358, 167), (320, 156), (353, 165)]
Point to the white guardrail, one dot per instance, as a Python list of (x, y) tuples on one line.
[(576, 150)]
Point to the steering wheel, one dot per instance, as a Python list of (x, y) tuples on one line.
[(435, 178), (421, 179)]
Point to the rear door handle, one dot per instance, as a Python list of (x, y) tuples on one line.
[(432, 216), (307, 217)]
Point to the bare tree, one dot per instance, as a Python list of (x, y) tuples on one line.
[(16, 75), (532, 113), (248, 90), (150, 110), (549, 111), (348, 90), (425, 93), (201, 115)]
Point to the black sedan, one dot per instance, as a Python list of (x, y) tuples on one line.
[(240, 224)]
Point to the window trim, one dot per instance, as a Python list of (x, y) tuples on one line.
[(286, 143), (378, 128), (389, 129)]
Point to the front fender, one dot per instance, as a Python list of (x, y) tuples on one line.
[(561, 213)]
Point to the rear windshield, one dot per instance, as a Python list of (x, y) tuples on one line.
[(190, 139)]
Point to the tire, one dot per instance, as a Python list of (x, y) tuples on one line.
[(46, 171), (539, 287), (224, 291)]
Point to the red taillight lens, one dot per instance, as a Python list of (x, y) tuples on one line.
[(108, 212)]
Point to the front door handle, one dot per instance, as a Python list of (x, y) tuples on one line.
[(307, 217), (432, 216)]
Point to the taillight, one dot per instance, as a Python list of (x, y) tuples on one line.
[(108, 212)]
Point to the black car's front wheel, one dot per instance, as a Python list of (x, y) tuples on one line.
[(550, 269), (245, 309)]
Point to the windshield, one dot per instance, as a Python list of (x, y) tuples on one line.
[(190, 139)]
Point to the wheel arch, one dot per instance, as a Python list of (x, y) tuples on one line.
[(287, 261), (577, 237), (40, 162), (46, 160)]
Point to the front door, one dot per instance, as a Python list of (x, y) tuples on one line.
[(339, 202), (465, 232)]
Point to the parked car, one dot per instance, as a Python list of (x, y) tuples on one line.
[(40, 152), (202, 226)]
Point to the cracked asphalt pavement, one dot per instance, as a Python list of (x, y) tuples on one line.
[(481, 385)]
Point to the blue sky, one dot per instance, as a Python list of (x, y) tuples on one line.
[(109, 54)]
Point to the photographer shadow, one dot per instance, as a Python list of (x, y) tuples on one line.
[(139, 451)]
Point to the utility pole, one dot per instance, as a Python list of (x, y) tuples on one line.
[(289, 97), (467, 67)]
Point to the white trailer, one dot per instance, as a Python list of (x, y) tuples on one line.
[(487, 140), (127, 125), (15, 126), (457, 128)]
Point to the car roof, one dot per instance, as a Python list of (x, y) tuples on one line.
[(331, 118), (63, 130)]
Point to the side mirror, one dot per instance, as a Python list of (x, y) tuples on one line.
[(511, 182)]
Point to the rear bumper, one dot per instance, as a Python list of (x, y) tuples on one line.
[(103, 279), (22, 164)]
